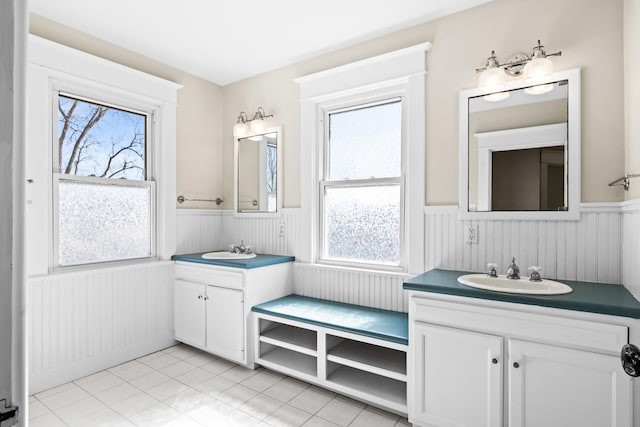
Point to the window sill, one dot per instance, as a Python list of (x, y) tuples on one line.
[(334, 267)]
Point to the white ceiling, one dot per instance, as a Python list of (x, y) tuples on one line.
[(228, 40)]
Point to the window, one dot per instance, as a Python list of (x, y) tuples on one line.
[(103, 195), (363, 164), (362, 191)]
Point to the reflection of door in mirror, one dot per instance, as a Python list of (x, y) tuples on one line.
[(528, 180), (257, 173), (518, 152)]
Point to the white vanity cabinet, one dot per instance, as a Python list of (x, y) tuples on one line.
[(475, 363), (213, 305)]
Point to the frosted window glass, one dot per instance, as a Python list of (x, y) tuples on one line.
[(101, 222), (365, 142), (362, 224)]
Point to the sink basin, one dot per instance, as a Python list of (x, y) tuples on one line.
[(520, 286), (224, 255)]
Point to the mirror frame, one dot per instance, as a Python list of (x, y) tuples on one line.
[(573, 143), (280, 168)]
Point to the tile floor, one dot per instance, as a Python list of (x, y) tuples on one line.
[(184, 387)]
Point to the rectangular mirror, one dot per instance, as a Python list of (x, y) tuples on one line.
[(520, 150), (258, 172)]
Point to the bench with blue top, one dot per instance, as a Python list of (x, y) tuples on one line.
[(354, 350), (368, 321)]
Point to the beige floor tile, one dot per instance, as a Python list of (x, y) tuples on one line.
[(188, 400), (80, 409), (261, 406), (150, 380), (196, 376), (134, 404), (37, 409), (167, 389), (236, 395), (117, 394), (176, 369), (131, 370), (286, 389), (311, 399), (99, 382), (261, 381), (163, 360), (67, 396), (341, 411), (47, 420), (371, 417), (155, 416), (319, 422), (288, 416)]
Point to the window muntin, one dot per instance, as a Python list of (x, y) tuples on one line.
[(362, 197), (104, 202)]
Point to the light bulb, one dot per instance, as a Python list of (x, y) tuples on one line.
[(537, 70), (240, 130), (492, 79), (257, 126)]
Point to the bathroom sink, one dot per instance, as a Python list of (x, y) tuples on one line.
[(513, 286), (224, 255)]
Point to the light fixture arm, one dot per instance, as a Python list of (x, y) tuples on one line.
[(516, 61), (260, 114), (245, 126)]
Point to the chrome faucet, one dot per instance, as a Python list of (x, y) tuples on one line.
[(513, 271), (491, 269), (535, 274), (240, 249)]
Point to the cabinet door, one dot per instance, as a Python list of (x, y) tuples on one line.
[(190, 309), (557, 387), (457, 378), (225, 322)]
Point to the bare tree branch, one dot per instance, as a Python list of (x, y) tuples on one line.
[(134, 141), (65, 127), (97, 114)]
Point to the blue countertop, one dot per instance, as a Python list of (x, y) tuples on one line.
[(589, 297), (372, 322), (260, 260)]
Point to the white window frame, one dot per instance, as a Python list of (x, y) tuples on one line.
[(108, 100), (52, 67), (388, 95), (402, 71)]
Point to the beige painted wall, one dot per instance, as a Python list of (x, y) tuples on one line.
[(199, 115), (632, 93), (589, 33)]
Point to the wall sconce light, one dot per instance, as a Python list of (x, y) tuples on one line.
[(535, 69), (244, 125)]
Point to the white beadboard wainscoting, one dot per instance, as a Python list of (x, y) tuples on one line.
[(588, 250), (631, 246), (361, 287), (602, 247), (84, 321), (204, 230)]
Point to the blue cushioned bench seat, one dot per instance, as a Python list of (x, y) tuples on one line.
[(372, 322)]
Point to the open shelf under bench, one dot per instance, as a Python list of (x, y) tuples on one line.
[(354, 350)]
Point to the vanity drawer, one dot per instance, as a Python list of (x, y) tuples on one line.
[(208, 275), (555, 330)]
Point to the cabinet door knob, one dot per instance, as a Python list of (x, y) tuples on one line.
[(516, 365), (199, 296), (494, 361)]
